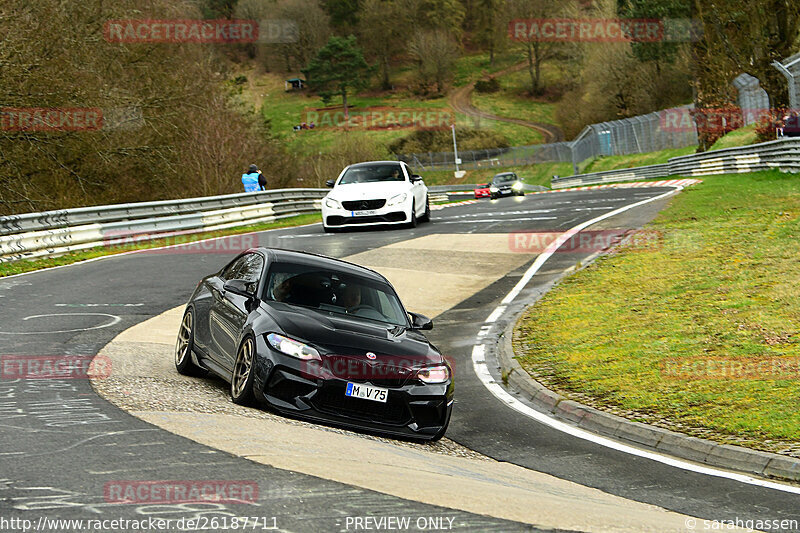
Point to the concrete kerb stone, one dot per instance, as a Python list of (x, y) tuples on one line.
[(725, 456), (783, 467)]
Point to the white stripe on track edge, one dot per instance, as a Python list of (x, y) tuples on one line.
[(482, 371)]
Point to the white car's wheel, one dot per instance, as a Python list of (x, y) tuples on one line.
[(426, 216), (413, 222)]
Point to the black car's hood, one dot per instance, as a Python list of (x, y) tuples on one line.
[(348, 336)]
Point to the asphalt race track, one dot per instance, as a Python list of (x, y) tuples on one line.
[(60, 444)]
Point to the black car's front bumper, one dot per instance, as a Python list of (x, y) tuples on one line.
[(412, 409)]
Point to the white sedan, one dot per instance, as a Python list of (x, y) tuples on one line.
[(375, 193)]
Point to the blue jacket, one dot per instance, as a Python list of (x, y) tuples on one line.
[(250, 182)]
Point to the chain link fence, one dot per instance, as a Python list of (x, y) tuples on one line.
[(495, 157), (635, 135)]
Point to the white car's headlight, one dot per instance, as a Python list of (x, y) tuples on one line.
[(292, 347), (332, 204), (517, 185), (400, 198), (493, 188)]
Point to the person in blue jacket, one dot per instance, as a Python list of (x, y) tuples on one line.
[(251, 180)]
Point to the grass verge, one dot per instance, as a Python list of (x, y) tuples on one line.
[(614, 162), (740, 137), (719, 294), (19, 267)]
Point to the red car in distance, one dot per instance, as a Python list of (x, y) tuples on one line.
[(482, 191)]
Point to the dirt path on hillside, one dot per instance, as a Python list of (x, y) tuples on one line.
[(461, 102)]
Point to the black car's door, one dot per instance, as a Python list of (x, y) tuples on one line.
[(215, 330), (229, 311)]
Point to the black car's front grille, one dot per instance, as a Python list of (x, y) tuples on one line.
[(382, 374), (361, 205), (331, 399)]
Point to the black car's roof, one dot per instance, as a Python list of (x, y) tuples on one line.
[(307, 258)]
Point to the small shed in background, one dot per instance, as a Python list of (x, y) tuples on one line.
[(294, 84)]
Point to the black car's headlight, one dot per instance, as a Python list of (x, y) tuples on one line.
[(434, 374), (292, 347)]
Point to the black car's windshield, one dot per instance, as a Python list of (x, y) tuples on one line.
[(505, 178), (373, 173), (334, 292)]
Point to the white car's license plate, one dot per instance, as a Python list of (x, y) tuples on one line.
[(359, 390), (363, 213)]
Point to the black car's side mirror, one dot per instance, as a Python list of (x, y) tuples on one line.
[(330, 183), (420, 321), (241, 287), (416, 177)]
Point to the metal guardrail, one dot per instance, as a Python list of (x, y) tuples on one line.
[(783, 154), (63, 218), (452, 188), (34, 235)]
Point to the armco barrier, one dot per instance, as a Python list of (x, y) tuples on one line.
[(108, 213), (34, 235), (783, 154)]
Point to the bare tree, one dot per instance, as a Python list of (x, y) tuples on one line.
[(491, 27), (187, 138), (536, 50), (380, 34), (436, 53), (311, 22)]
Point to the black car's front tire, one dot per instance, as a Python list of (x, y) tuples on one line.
[(184, 346), (243, 374)]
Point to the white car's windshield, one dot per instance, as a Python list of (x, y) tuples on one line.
[(373, 173)]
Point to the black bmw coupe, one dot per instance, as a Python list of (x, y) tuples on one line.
[(317, 338)]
